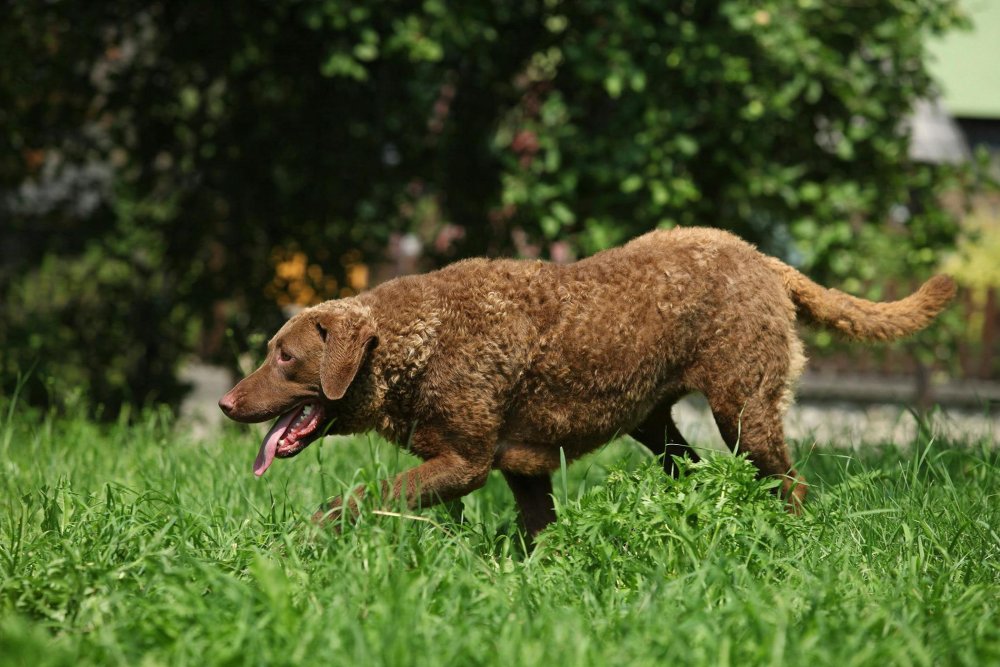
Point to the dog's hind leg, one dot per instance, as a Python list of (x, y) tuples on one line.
[(754, 425), (533, 494), (660, 435)]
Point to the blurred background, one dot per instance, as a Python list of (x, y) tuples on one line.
[(176, 178)]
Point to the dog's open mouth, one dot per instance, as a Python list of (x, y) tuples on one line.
[(293, 431)]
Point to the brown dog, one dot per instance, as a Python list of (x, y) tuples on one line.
[(503, 363)]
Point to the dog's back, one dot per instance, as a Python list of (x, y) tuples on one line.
[(633, 326)]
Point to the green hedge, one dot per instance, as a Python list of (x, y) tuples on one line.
[(550, 127)]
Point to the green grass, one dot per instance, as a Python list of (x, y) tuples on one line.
[(132, 544)]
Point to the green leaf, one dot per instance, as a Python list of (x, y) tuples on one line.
[(366, 52), (550, 226), (613, 84), (563, 213), (631, 184), (686, 144)]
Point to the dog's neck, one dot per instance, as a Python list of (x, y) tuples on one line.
[(383, 394)]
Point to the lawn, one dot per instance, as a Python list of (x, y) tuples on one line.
[(133, 544)]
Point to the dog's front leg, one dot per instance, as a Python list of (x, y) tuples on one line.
[(439, 479)]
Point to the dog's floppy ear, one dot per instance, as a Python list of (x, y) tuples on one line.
[(346, 340)]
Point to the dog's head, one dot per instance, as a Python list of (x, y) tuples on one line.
[(311, 362)]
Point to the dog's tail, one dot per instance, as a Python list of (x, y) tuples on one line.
[(862, 319)]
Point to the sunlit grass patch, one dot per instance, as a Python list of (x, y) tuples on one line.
[(131, 543)]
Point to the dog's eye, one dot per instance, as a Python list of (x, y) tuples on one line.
[(284, 357)]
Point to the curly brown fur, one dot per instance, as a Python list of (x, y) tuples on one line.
[(503, 363)]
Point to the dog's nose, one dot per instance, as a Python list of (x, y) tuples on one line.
[(227, 404)]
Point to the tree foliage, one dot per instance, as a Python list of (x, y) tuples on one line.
[(159, 159)]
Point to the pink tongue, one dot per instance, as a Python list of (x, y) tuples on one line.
[(270, 444)]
